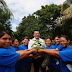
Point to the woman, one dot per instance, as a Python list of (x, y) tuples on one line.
[(49, 43), (24, 65), (65, 54), (14, 45), (8, 58), (24, 45), (58, 45), (51, 61)]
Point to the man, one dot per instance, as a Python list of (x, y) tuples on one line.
[(36, 38), (37, 42)]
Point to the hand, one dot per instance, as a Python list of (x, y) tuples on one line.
[(34, 51), (36, 57), (41, 50), (31, 56)]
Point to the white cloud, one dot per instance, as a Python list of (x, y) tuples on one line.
[(14, 27), (21, 8)]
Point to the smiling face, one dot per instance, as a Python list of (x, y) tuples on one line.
[(36, 34), (5, 41), (64, 42), (57, 40), (15, 43), (48, 42), (25, 42)]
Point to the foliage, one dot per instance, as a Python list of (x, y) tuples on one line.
[(42, 20), (27, 27), (5, 15), (47, 16)]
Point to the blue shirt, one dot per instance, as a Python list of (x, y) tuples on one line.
[(8, 60), (53, 60), (22, 47), (66, 59), (58, 46), (13, 49), (51, 47), (23, 64)]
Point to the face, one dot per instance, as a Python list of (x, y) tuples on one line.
[(48, 42), (36, 34), (16, 43), (57, 40), (5, 41), (25, 42), (64, 42)]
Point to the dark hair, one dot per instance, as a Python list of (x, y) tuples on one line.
[(65, 37), (49, 38), (13, 39), (57, 36), (2, 33), (25, 38)]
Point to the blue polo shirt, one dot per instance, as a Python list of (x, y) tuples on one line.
[(53, 60), (66, 59), (13, 49), (8, 60), (24, 65), (22, 47), (58, 46), (51, 47)]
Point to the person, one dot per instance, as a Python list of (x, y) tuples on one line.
[(24, 45), (58, 45), (24, 65), (8, 58), (49, 43), (14, 45), (35, 39), (37, 42), (65, 54), (53, 67), (48, 60)]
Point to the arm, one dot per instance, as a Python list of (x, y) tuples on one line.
[(50, 52), (55, 49), (25, 53)]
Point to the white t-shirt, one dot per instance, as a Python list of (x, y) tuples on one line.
[(33, 43)]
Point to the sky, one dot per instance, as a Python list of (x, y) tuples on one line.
[(21, 8)]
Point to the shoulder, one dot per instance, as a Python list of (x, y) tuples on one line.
[(20, 45), (41, 39), (70, 47), (6, 52), (46, 47), (31, 40), (52, 46)]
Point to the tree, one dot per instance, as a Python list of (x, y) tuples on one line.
[(42, 20), (5, 16), (27, 26), (47, 16)]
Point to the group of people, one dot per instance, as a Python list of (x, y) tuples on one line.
[(15, 58)]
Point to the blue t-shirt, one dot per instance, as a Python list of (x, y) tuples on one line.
[(53, 60), (58, 46), (13, 49), (66, 59), (51, 47), (8, 60), (24, 65), (22, 47)]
